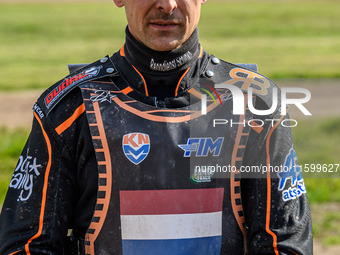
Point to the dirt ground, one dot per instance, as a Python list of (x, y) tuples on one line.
[(330, 250), (15, 111)]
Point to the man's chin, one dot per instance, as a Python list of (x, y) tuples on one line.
[(164, 44)]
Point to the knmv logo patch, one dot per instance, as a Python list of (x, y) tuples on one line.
[(136, 147)]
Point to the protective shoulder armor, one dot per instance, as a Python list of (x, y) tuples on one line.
[(243, 76), (83, 73)]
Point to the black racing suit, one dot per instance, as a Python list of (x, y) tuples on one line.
[(55, 185)]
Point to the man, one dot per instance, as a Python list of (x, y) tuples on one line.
[(116, 148)]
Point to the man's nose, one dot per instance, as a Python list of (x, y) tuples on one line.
[(166, 6)]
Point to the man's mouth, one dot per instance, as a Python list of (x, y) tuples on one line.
[(163, 24)]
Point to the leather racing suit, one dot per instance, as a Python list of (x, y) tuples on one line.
[(125, 171)]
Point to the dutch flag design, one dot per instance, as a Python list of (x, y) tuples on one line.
[(168, 222)]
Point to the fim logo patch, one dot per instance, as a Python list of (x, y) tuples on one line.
[(202, 146), (136, 147), (292, 172)]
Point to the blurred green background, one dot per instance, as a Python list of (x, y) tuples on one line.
[(287, 39)]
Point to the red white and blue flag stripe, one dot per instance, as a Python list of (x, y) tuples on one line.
[(171, 222)]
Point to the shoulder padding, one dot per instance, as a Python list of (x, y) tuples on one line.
[(252, 67), (242, 76), (85, 73)]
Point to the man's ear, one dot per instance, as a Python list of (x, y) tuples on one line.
[(119, 3)]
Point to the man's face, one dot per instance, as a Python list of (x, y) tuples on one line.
[(162, 25)]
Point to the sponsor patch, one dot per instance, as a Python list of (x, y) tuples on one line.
[(38, 111), (202, 174), (22, 178), (172, 64), (102, 96), (247, 79), (202, 147), (69, 82), (291, 172), (136, 147)]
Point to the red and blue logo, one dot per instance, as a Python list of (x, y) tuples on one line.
[(136, 147)]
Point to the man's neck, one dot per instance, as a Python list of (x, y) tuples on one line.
[(153, 62), (162, 70)]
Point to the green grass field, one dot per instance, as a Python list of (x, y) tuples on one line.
[(287, 39), (11, 145)]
